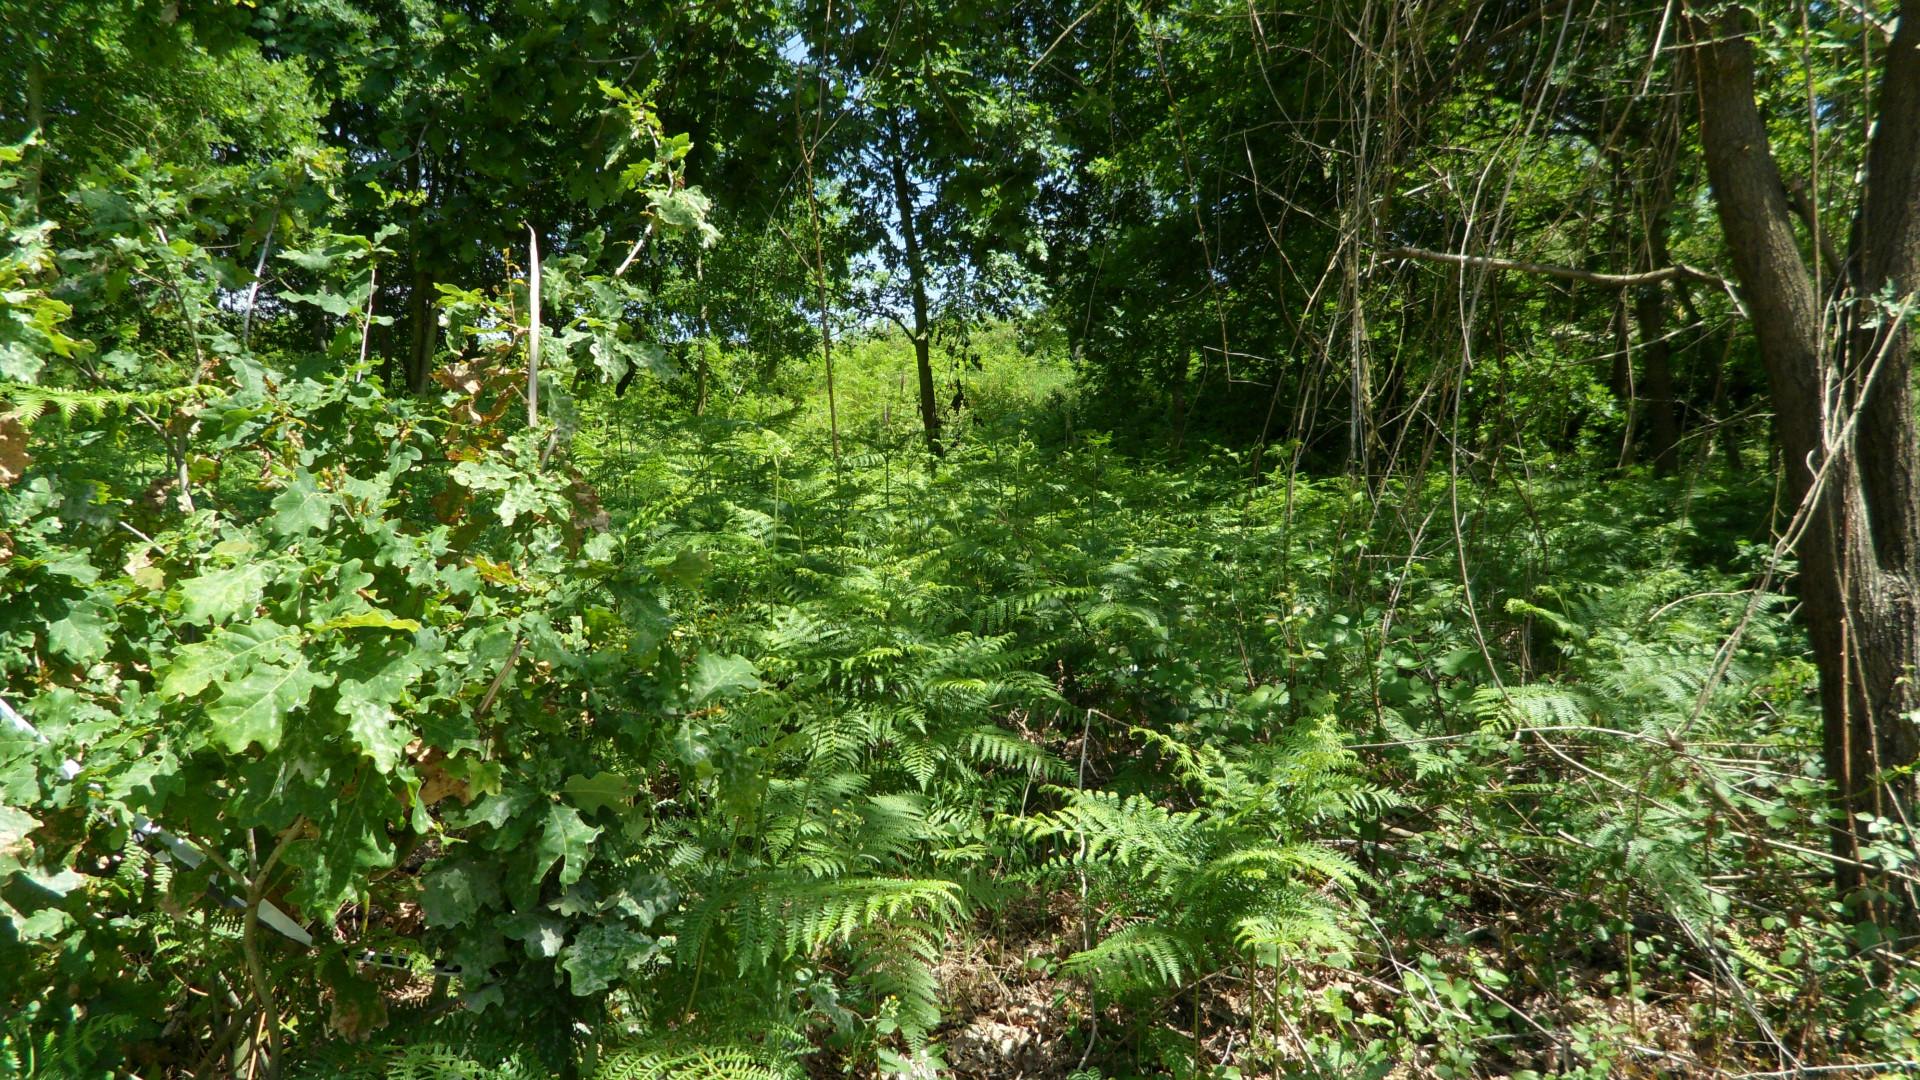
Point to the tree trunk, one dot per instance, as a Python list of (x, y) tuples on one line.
[(706, 332), (423, 334), (1650, 302), (1858, 568), (423, 330), (1177, 383), (1656, 353), (37, 129), (917, 285)]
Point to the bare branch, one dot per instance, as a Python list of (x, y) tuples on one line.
[(533, 328), (1678, 271)]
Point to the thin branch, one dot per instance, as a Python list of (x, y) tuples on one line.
[(250, 945), (1678, 271), (533, 328), (366, 324), (253, 290), (1071, 27), (634, 252)]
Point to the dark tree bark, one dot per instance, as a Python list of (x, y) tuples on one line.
[(1650, 303), (423, 329), (37, 128), (1858, 568), (1177, 384), (917, 286), (1656, 354)]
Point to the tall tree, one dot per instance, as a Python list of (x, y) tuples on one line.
[(906, 199), (929, 127), (1840, 369)]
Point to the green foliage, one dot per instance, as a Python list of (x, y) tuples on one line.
[(1225, 876), (691, 1062), (706, 727)]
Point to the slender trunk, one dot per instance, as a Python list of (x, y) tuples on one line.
[(808, 147), (533, 330), (1620, 375), (1656, 354), (917, 285), (420, 323), (36, 127), (1624, 386), (1182, 367), (1360, 380), (700, 366), (1651, 301), (1859, 575)]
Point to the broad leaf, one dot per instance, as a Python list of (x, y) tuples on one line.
[(344, 850), (225, 655), (456, 891), (600, 791), (377, 731), (255, 708), (716, 675), (601, 952), (82, 636), (220, 595), (565, 838), (302, 508)]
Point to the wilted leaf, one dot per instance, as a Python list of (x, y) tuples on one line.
[(15, 824), (14, 458)]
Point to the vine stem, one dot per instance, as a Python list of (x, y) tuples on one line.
[(250, 945)]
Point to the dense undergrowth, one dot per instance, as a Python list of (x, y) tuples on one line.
[(1302, 774), (1220, 775), (1233, 777), (718, 755), (691, 724)]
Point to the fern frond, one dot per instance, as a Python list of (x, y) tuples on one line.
[(1533, 705), (816, 914), (1144, 952), (687, 1061), (990, 745), (895, 962), (30, 403)]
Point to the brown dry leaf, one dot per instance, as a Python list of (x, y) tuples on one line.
[(144, 574), (358, 1008), (451, 504), (465, 377), (14, 458), (159, 494), (474, 380), (436, 784), (356, 1017), (499, 573), (585, 515)]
